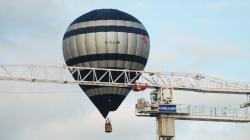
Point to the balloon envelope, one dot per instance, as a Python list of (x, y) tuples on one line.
[(106, 38)]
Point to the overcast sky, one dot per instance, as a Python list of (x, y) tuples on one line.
[(209, 36)]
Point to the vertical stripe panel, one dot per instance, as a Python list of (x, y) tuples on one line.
[(131, 47), (101, 46), (72, 46), (67, 48), (80, 45), (91, 46), (64, 50), (147, 49), (122, 47), (112, 47)]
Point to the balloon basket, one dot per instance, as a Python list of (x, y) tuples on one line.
[(108, 126)]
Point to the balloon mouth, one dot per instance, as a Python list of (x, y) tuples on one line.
[(106, 103), (104, 113)]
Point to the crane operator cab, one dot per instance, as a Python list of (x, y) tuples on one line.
[(153, 96), (108, 126)]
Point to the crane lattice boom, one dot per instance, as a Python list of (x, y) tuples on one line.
[(176, 81)]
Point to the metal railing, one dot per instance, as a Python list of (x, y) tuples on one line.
[(216, 111), (226, 113)]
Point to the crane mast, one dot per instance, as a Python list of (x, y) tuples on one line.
[(163, 85)]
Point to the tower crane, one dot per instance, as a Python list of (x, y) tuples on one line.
[(163, 84)]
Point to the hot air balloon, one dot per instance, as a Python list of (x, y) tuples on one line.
[(106, 38)]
